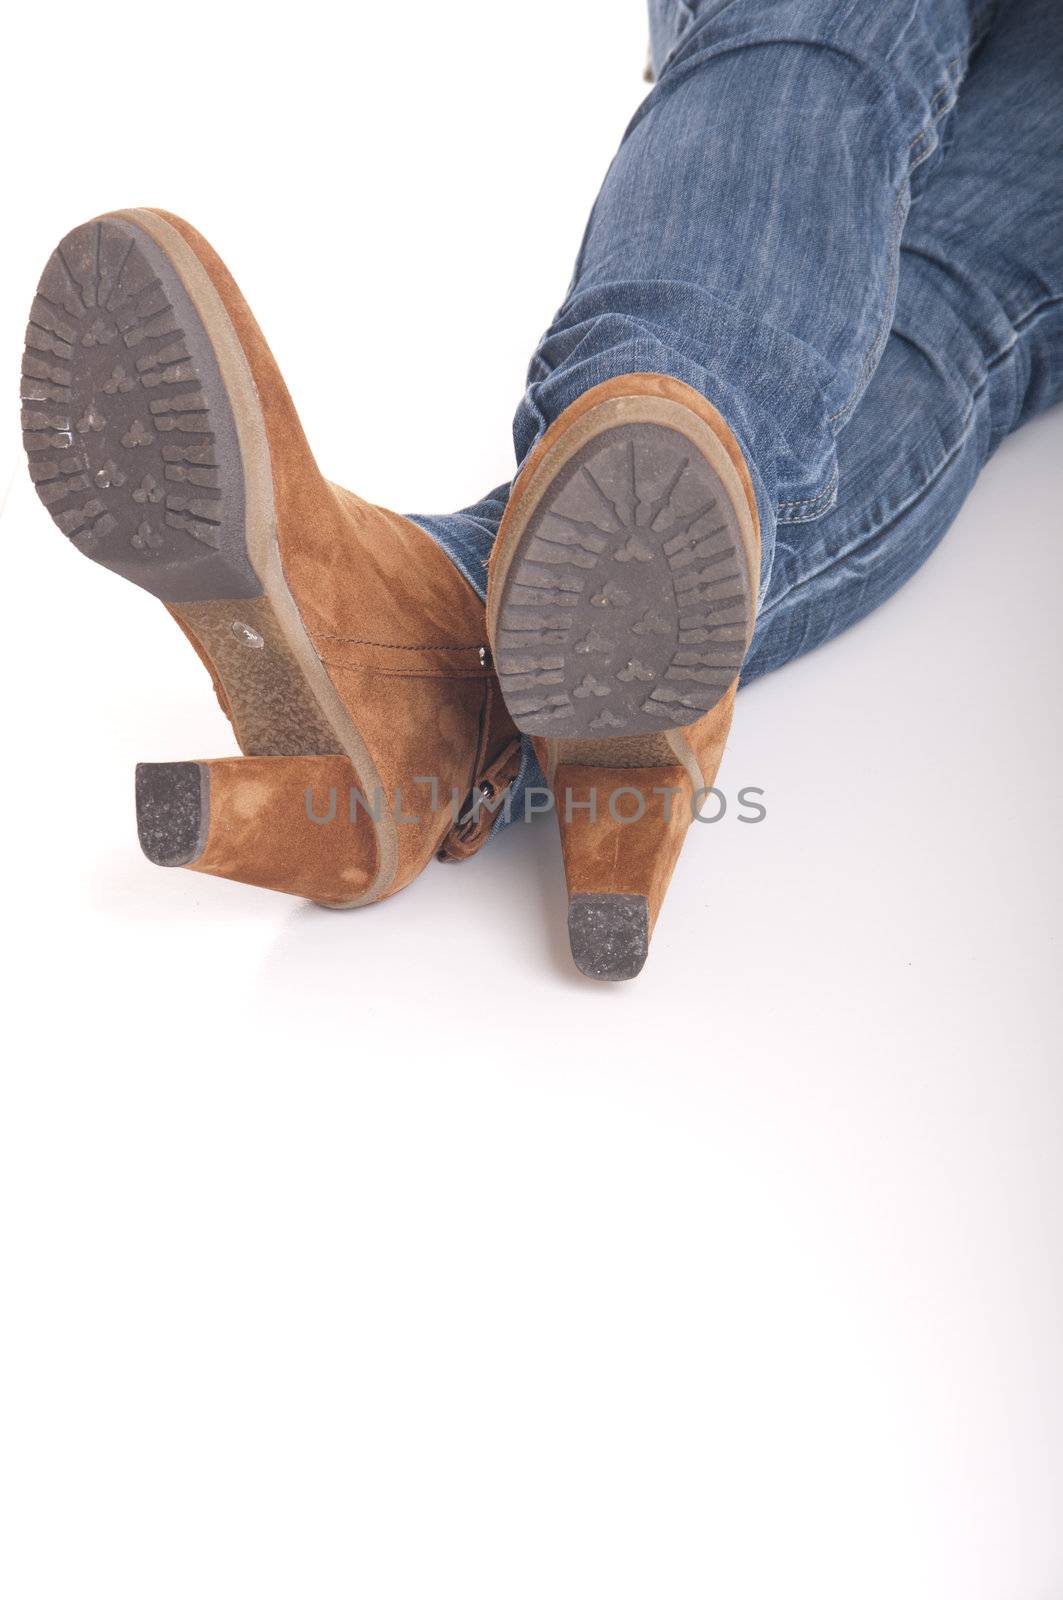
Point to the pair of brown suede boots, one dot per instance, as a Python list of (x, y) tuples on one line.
[(378, 705)]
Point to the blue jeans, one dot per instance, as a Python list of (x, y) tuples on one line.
[(843, 224)]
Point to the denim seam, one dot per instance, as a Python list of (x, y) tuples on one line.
[(815, 501), (812, 505), (540, 416), (717, 52), (1016, 323), (886, 86), (937, 110), (882, 333), (1022, 322), (952, 70), (897, 220), (1017, 327), (897, 511), (891, 517), (681, 37)]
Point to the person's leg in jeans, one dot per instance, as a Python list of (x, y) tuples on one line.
[(746, 239), (974, 351), (976, 347), (772, 158)]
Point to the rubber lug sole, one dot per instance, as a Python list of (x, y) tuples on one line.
[(628, 606), (126, 422)]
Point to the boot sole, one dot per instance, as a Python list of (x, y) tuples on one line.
[(621, 606), (149, 449), (625, 584)]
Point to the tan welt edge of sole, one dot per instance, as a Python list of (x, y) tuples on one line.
[(263, 548)]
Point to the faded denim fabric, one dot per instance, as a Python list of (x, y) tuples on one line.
[(841, 222)]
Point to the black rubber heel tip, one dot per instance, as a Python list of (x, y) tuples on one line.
[(609, 935), (172, 811)]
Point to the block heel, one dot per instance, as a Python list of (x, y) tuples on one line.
[(289, 823)]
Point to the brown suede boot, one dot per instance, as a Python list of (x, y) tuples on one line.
[(348, 652), (621, 604)]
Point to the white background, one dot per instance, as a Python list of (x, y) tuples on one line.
[(379, 1254)]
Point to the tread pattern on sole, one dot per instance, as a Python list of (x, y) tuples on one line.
[(126, 423), (628, 607)]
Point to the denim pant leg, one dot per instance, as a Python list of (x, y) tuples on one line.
[(669, 21), (975, 350), (746, 236), (746, 239)]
